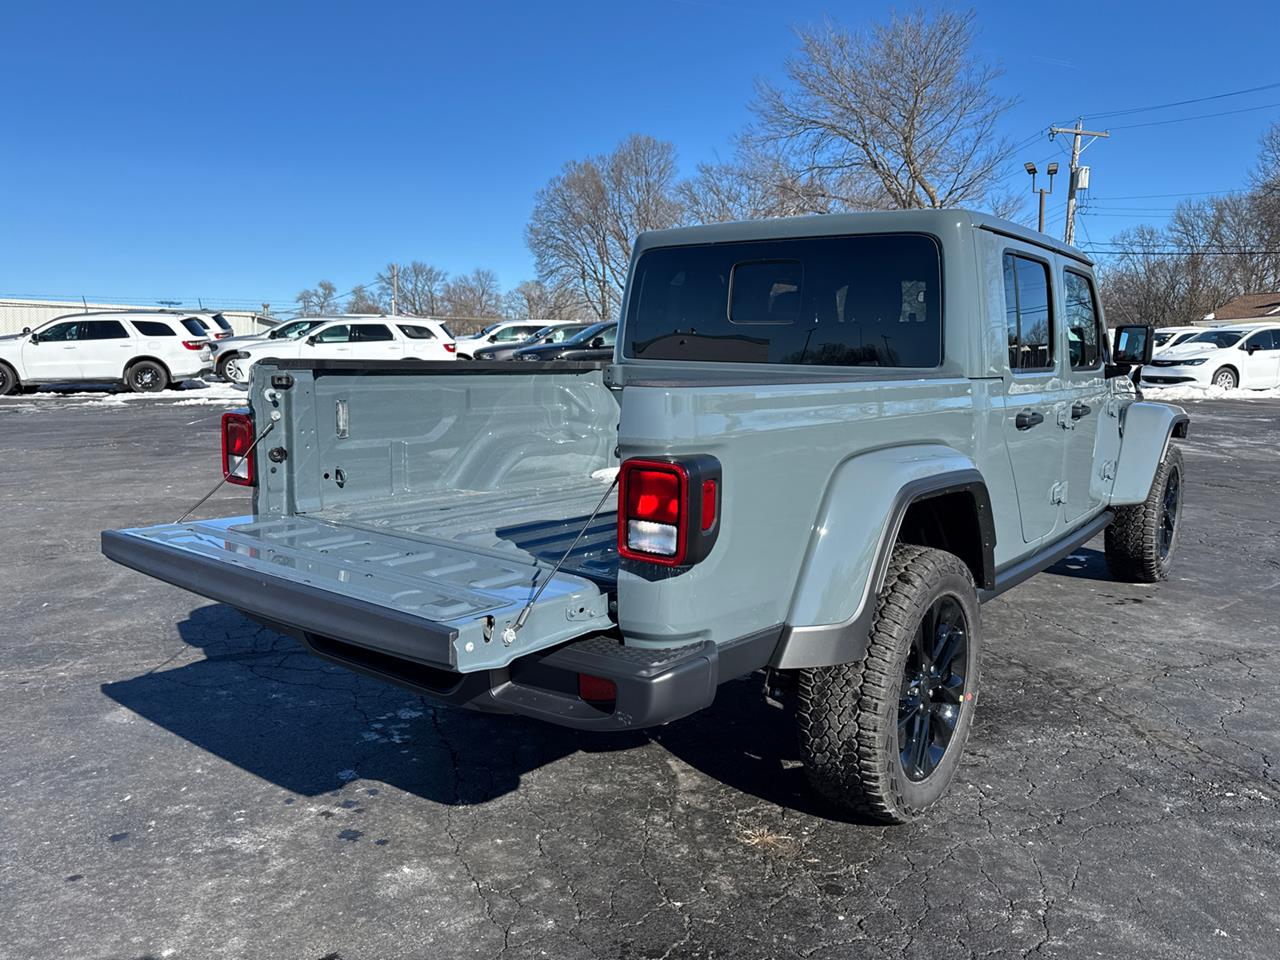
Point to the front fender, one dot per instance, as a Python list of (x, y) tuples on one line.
[(1145, 429), (849, 548)]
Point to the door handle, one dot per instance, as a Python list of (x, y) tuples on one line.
[(1026, 419), (1079, 409)]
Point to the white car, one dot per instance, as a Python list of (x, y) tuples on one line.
[(145, 351), (505, 332), (1227, 357), (1167, 337), (224, 350), (369, 338)]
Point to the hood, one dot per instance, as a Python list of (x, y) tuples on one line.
[(1186, 349)]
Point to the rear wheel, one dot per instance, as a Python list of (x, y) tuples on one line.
[(221, 367), (1225, 378), (1140, 541), (146, 376), (8, 380), (882, 737)]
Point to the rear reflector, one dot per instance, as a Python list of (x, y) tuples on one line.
[(708, 505), (596, 689), (237, 449)]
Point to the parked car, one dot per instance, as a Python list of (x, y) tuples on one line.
[(144, 351), (217, 325), (224, 350), (373, 338), (1227, 357), (547, 335), (1172, 336), (594, 343), (825, 459), (505, 332)]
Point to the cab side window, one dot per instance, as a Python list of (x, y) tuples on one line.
[(154, 328), (416, 333), (1028, 313), (1084, 335)]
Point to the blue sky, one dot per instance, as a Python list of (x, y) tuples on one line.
[(240, 152)]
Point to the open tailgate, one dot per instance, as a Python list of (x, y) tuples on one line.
[(433, 601)]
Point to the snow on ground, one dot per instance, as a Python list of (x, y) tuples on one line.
[(1193, 392), (192, 394)]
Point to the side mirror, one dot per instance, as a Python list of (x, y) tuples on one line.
[(1249, 348), (1134, 344), (312, 341), (35, 338), (597, 342)]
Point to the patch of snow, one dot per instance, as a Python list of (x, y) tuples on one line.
[(606, 475), (1189, 391)]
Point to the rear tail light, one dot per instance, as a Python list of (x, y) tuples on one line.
[(195, 344), (600, 690), (237, 449), (668, 510), (223, 335), (450, 348)]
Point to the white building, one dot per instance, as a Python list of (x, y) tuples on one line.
[(15, 315)]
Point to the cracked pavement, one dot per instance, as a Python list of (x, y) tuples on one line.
[(180, 782)]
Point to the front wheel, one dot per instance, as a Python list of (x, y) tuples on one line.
[(882, 737), (1225, 378), (1141, 539), (146, 376), (8, 380)]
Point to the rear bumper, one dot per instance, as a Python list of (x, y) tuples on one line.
[(654, 686)]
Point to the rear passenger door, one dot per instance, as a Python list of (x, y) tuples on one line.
[(1086, 393), (1260, 360), (374, 341), (1034, 397), (106, 347)]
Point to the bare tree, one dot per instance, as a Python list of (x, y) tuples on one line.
[(586, 218), (756, 184), (320, 301), (421, 289), (901, 116), (360, 300), (534, 299), (474, 296)]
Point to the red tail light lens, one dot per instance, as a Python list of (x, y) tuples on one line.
[(222, 336), (653, 498), (194, 344), (450, 348), (237, 449), (596, 689)]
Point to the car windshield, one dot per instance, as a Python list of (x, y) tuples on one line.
[(294, 329), (487, 330), (1163, 337), (1218, 338), (590, 332), (561, 334)]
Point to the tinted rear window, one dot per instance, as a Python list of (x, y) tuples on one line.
[(154, 328), (843, 301), (195, 327), (221, 321)]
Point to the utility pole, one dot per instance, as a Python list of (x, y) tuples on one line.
[(1077, 132), (395, 287)]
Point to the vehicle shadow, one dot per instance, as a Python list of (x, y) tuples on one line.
[(1083, 562), (257, 700)]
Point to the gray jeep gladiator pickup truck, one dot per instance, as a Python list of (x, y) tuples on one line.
[(822, 444)]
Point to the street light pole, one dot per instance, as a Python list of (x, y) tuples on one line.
[(1052, 170)]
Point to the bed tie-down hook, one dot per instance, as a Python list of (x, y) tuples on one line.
[(514, 628)]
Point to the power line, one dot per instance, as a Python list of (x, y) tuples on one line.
[(1098, 248), (1199, 116), (1181, 103), (1161, 196)]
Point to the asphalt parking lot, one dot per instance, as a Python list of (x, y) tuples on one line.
[(179, 782)]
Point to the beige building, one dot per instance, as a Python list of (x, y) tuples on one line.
[(15, 315)]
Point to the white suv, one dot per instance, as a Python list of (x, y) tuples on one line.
[(508, 332), (366, 338), (225, 350), (145, 351)]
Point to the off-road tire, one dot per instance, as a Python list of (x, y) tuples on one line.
[(848, 715), (146, 376), (8, 380), (1133, 538), (1226, 378)]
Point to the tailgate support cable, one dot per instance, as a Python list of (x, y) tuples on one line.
[(509, 634), (217, 486)]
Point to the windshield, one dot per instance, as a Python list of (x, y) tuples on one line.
[(590, 332), (1163, 337), (1219, 338), (488, 330), (561, 334), (293, 329)]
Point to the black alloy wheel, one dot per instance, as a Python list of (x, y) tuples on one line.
[(933, 688), (1169, 512)]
